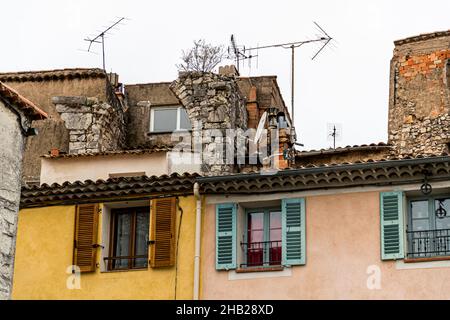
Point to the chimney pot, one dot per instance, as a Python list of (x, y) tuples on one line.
[(54, 152)]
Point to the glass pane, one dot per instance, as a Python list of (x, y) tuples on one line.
[(185, 123), (442, 207), (419, 209), (256, 227), (275, 227), (164, 120), (255, 248), (142, 226), (420, 225), (275, 238), (122, 246)]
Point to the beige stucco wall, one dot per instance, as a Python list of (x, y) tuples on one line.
[(99, 167), (343, 250)]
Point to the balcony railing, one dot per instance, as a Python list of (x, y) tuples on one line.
[(262, 254), (428, 243)]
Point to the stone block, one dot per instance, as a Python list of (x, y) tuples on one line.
[(77, 121), (70, 100)]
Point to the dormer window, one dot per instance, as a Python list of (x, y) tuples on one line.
[(169, 119)]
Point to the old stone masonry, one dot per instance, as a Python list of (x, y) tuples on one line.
[(11, 147)]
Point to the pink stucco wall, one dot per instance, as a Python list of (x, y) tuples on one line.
[(343, 241)]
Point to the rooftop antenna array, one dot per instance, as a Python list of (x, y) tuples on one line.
[(238, 53), (244, 53), (100, 38)]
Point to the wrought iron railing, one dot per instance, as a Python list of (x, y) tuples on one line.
[(428, 243), (262, 254), (132, 262)]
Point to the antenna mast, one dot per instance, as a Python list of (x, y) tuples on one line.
[(100, 38), (325, 39)]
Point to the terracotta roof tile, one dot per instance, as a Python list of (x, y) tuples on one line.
[(111, 153), (56, 74), (363, 147), (422, 37), (28, 107), (361, 173), (113, 188)]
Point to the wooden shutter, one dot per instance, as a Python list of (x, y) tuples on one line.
[(293, 232), (391, 222), (163, 217), (86, 228), (226, 236)]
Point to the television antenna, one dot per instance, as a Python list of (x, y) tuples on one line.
[(100, 38), (238, 53), (244, 53), (334, 132)]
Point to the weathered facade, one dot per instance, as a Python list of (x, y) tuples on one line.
[(93, 126), (353, 222), (41, 87), (419, 102), (16, 114)]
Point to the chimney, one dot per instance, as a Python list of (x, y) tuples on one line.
[(229, 71)]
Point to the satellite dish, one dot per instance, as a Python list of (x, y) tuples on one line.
[(259, 130)]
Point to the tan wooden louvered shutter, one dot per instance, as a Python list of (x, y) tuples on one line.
[(86, 224), (163, 216)]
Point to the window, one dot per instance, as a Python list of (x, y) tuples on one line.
[(428, 228), (267, 237), (169, 119), (263, 235), (129, 238)]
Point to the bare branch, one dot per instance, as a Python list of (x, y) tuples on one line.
[(203, 57)]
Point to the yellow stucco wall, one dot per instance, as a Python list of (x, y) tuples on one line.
[(44, 254)]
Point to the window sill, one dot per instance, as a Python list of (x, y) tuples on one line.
[(260, 269), (413, 260)]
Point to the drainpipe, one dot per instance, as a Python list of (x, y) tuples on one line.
[(198, 228)]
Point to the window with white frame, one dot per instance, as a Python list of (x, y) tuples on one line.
[(169, 119)]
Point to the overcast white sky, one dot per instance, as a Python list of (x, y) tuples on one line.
[(347, 84)]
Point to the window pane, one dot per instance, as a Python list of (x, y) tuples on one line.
[(275, 226), (256, 227), (420, 225), (275, 238), (444, 221), (122, 246), (255, 249), (142, 226), (164, 120), (185, 123), (419, 209)]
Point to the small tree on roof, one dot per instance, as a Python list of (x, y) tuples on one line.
[(202, 57)]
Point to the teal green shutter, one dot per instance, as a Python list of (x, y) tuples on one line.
[(391, 205), (226, 236), (293, 232)]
